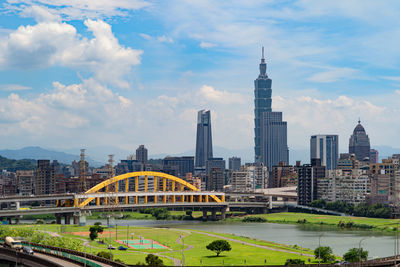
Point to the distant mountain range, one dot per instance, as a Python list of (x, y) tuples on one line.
[(97, 156), (35, 152)]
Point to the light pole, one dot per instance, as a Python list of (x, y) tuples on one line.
[(319, 249), (359, 249)]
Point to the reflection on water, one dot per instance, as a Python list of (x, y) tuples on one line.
[(378, 244)]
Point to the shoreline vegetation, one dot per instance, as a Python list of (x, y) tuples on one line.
[(341, 222)]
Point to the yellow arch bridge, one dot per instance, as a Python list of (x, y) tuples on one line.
[(145, 188)]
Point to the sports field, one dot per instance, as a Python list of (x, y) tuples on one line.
[(142, 244)]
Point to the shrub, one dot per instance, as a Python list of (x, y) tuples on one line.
[(106, 255), (294, 262), (153, 260), (254, 219)]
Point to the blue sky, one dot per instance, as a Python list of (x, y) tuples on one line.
[(122, 73)]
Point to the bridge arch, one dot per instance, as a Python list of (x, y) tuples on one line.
[(175, 181)]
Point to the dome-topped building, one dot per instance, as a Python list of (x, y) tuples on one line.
[(359, 143)]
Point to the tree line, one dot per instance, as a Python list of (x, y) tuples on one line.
[(361, 210)]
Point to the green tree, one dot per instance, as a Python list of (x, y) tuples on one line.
[(219, 246), (324, 253), (93, 235), (294, 262), (353, 255), (153, 260)]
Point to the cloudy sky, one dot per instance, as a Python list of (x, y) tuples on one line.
[(83, 73)]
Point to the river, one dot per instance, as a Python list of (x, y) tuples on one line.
[(379, 244)]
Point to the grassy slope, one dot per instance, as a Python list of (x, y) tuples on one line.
[(291, 217)]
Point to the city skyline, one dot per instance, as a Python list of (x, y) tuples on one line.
[(54, 95)]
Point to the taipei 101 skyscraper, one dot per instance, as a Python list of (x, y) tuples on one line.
[(270, 140), (262, 103)]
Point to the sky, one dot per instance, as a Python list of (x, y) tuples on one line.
[(121, 73)]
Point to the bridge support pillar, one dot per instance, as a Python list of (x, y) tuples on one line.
[(204, 215), (9, 220), (270, 202), (223, 210), (67, 219), (76, 219), (17, 220), (214, 214), (58, 218), (18, 205)]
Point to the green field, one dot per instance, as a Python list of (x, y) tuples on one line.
[(357, 222), (244, 250)]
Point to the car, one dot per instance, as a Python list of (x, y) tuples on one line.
[(27, 250), (122, 248), (110, 247)]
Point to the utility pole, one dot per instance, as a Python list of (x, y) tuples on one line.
[(82, 173)]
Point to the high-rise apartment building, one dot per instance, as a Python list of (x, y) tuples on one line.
[(282, 175), (326, 148), (307, 181), (215, 174), (141, 154), (270, 132), (373, 156), (359, 143), (204, 149), (45, 178), (234, 163), (26, 182)]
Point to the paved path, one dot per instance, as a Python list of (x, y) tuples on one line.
[(62, 262), (253, 245)]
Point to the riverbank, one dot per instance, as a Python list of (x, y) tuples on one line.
[(173, 244), (342, 222)]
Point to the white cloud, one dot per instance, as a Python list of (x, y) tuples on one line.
[(40, 13), (161, 39), (397, 92), (54, 43), (207, 45), (79, 9), (14, 87), (391, 78), (209, 94), (333, 75)]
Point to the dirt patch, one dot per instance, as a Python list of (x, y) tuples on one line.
[(87, 233)]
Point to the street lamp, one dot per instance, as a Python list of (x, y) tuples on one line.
[(359, 249)]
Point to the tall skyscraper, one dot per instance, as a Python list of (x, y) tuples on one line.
[(204, 149), (270, 131), (325, 148), (359, 143), (141, 154), (262, 103)]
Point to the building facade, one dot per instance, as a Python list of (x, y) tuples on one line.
[(282, 175), (234, 163), (45, 178), (359, 143), (373, 156), (215, 174), (141, 154), (180, 165), (325, 148), (204, 149), (307, 181), (26, 182)]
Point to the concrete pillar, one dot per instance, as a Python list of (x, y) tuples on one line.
[(76, 219), (18, 205), (58, 218), (223, 210), (214, 214), (110, 221), (9, 220), (270, 202), (16, 220), (204, 215), (82, 220)]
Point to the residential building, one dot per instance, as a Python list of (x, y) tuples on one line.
[(26, 180), (141, 154), (215, 174), (234, 163), (326, 148), (343, 185), (307, 186), (45, 178), (373, 156), (359, 143), (282, 172), (249, 178), (204, 148)]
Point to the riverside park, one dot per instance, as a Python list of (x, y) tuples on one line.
[(176, 244)]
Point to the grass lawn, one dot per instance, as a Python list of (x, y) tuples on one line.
[(195, 242), (292, 217)]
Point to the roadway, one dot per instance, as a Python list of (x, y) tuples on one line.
[(56, 260)]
